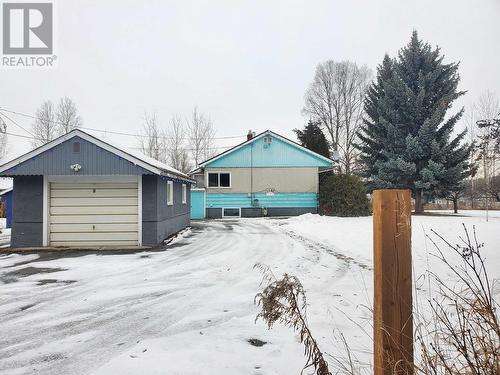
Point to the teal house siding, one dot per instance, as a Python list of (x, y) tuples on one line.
[(277, 153), (269, 175), (261, 200), (197, 204)]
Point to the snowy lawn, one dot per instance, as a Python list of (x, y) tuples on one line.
[(189, 309)]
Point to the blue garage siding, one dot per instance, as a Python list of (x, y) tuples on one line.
[(93, 159), (8, 208), (160, 220), (27, 201), (219, 200)]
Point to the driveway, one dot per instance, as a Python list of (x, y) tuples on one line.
[(184, 309)]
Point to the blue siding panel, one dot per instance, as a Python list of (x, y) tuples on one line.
[(276, 154), (197, 204), (219, 200)]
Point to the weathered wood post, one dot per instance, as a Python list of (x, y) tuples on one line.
[(392, 312)]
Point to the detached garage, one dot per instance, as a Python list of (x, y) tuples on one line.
[(79, 191)]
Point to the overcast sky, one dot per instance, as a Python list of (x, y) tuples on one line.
[(246, 64)]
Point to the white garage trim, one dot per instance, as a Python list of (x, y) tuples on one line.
[(106, 221), (139, 208), (46, 192), (92, 179)]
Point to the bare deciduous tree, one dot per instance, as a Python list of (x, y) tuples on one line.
[(177, 154), (67, 116), (45, 128), (473, 132), (354, 83), (335, 99), (488, 108), (3, 141), (152, 143), (201, 137)]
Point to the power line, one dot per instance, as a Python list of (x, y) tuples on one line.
[(99, 130), (15, 123), (19, 135), (132, 148)]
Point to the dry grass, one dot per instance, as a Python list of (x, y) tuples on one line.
[(459, 334), (284, 301), (464, 337)]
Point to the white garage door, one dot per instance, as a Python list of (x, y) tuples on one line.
[(93, 214)]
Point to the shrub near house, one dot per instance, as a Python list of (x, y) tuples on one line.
[(343, 195)]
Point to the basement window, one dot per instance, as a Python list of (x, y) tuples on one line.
[(219, 180), (231, 212)]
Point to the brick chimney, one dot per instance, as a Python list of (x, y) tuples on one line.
[(250, 135)]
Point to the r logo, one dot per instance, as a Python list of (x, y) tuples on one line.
[(27, 29)]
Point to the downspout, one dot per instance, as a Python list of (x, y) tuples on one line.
[(251, 176)]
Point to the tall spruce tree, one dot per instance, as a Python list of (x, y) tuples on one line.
[(406, 142), (313, 138)]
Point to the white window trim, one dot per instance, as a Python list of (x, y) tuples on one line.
[(231, 208), (219, 187), (184, 194), (170, 193)]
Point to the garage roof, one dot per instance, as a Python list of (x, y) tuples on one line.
[(136, 158)]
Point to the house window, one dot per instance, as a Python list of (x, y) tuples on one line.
[(219, 180), (184, 194), (213, 180), (76, 147), (170, 193)]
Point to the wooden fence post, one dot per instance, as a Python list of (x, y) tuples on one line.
[(392, 312)]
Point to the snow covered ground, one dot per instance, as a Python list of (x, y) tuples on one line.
[(189, 309), (4, 233)]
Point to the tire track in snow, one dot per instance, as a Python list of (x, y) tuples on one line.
[(321, 247)]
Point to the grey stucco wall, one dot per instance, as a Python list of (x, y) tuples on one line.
[(159, 220), (27, 202), (93, 159), (283, 180)]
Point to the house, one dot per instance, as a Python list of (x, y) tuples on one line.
[(81, 191), (6, 201), (267, 175)]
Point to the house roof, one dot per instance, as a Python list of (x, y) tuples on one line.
[(6, 191), (258, 136), (136, 158)]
